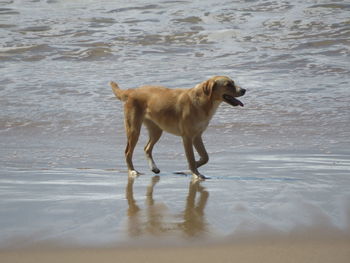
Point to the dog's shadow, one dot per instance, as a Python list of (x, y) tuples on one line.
[(155, 219)]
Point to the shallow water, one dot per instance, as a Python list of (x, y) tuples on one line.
[(288, 145)]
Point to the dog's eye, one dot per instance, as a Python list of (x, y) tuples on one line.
[(231, 85)]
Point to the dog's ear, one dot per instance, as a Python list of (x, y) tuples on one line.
[(208, 87)]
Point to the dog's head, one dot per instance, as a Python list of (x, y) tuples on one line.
[(223, 88)]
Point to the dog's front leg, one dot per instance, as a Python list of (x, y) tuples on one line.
[(198, 144), (188, 145)]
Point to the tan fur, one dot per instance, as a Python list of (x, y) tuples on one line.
[(183, 112)]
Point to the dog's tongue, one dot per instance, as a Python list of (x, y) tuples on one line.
[(237, 102), (232, 101)]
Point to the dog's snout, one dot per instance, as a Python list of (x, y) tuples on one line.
[(243, 91)]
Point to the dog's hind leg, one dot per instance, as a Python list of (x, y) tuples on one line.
[(154, 134), (133, 122)]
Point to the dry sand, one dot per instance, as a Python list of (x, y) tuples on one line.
[(332, 250)]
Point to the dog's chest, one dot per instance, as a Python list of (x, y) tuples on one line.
[(201, 126), (202, 121)]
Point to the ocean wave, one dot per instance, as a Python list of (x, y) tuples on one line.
[(85, 54), (8, 11)]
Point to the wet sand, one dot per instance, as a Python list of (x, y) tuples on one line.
[(319, 251), (266, 194), (92, 215)]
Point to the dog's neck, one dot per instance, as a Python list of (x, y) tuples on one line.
[(204, 101), (213, 109)]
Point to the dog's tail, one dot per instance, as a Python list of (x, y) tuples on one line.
[(120, 94)]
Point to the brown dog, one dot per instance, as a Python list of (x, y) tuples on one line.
[(183, 112)]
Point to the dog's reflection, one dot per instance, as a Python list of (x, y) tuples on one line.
[(156, 220)]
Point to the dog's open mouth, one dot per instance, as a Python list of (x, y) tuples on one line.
[(232, 101)]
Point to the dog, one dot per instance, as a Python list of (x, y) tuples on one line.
[(182, 112)]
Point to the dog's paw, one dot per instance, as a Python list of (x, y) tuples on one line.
[(199, 177), (133, 173), (155, 170)]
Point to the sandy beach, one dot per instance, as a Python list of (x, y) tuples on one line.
[(156, 226), (318, 251), (155, 231)]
